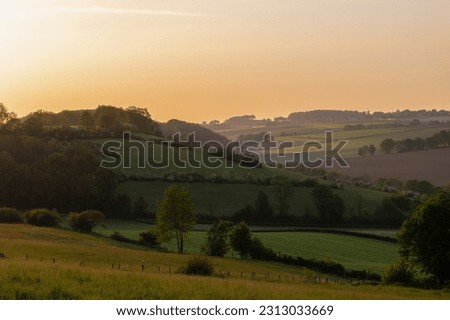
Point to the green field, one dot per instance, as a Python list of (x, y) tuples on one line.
[(352, 252), (39, 277), (225, 199)]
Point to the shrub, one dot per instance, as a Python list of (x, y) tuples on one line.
[(85, 221), (260, 252), (43, 218), (149, 238), (121, 238), (10, 215), (399, 273), (198, 265)]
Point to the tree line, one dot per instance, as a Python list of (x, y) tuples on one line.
[(438, 140)]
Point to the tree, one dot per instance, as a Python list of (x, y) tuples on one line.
[(10, 215), (140, 208), (87, 121), (264, 210), (424, 237), (241, 239), (42, 218), (363, 150), (218, 238), (149, 238), (246, 214), (85, 221), (284, 190), (175, 216), (387, 213), (5, 115), (387, 145), (330, 206), (372, 150)]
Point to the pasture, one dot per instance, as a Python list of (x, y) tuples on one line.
[(224, 199), (352, 252)]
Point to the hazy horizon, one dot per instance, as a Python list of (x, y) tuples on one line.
[(199, 61)]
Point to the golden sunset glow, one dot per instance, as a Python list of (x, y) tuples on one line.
[(203, 60)]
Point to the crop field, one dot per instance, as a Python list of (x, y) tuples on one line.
[(430, 165), (219, 199), (40, 277)]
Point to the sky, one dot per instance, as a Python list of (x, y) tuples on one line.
[(207, 59)]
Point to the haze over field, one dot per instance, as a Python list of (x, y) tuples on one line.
[(203, 60)]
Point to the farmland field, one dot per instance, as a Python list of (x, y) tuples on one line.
[(224, 199), (38, 277), (358, 138), (353, 252), (430, 165)]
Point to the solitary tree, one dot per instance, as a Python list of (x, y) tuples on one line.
[(241, 239), (175, 216), (424, 237)]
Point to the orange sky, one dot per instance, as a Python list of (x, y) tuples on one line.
[(201, 60)]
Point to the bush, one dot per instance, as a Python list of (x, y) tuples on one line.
[(10, 215), (259, 252), (399, 273), (85, 221), (149, 238), (43, 218), (121, 238), (199, 265)]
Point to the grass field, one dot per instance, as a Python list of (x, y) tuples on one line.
[(225, 199), (66, 279), (353, 252)]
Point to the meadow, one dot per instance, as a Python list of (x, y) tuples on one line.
[(352, 252), (38, 277), (224, 199)]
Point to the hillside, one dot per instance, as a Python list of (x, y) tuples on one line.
[(39, 277)]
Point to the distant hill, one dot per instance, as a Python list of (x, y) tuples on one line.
[(202, 134), (333, 116)]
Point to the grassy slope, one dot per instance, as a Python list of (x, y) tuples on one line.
[(33, 279)]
